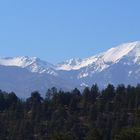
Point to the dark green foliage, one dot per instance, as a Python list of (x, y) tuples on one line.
[(93, 134), (110, 114), (62, 136), (129, 134)]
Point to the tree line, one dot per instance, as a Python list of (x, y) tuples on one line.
[(109, 114)]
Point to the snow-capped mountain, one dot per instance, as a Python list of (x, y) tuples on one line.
[(117, 65), (71, 64), (33, 64), (113, 55)]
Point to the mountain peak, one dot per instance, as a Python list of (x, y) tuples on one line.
[(110, 56), (21, 61), (33, 64), (117, 65), (69, 64), (101, 60), (115, 54)]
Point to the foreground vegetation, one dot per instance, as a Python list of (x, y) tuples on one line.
[(110, 114)]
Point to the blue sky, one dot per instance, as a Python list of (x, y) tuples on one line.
[(56, 30)]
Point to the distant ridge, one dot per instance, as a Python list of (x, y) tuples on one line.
[(117, 65)]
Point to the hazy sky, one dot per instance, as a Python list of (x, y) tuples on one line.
[(55, 30)]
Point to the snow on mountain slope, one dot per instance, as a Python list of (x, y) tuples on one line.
[(115, 54), (101, 60), (127, 52), (33, 64), (116, 65), (69, 64), (111, 56)]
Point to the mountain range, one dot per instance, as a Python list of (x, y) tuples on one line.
[(118, 65)]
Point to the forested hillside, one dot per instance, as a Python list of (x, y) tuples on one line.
[(110, 114)]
